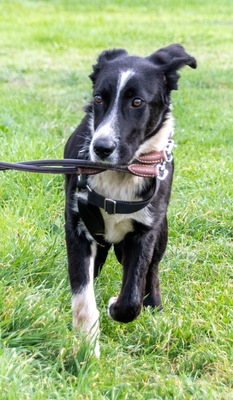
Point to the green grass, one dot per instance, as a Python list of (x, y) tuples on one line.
[(46, 52)]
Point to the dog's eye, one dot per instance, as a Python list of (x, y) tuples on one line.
[(137, 102), (98, 98)]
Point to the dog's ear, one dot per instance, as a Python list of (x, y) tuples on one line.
[(109, 55), (170, 59), (104, 57)]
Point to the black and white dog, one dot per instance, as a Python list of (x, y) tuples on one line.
[(130, 115)]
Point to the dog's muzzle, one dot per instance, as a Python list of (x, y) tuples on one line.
[(104, 147)]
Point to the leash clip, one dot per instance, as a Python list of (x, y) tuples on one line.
[(164, 174), (168, 150), (162, 166), (163, 171)]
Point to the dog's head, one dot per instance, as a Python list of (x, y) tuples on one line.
[(131, 99)]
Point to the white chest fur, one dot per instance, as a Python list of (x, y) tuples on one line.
[(120, 186)]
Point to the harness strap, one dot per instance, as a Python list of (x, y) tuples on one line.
[(92, 219), (89, 208), (118, 206)]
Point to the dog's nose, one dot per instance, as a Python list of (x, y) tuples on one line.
[(103, 148)]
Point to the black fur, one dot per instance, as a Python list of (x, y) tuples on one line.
[(142, 248)]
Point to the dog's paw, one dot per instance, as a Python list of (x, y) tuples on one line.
[(111, 301), (97, 349), (86, 321)]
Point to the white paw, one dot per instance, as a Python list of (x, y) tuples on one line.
[(86, 320), (97, 349), (111, 301)]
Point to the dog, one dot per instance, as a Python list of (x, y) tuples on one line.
[(130, 116)]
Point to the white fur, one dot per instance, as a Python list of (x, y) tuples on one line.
[(109, 126), (160, 140), (91, 122), (111, 301), (75, 203), (85, 313)]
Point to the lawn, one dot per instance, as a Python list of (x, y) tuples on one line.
[(47, 49)]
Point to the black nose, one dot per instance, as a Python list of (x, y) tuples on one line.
[(103, 148)]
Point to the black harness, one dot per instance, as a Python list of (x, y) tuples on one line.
[(90, 202)]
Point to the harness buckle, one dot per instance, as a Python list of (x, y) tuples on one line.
[(110, 206)]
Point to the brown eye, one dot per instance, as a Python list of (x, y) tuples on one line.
[(98, 99), (137, 102)]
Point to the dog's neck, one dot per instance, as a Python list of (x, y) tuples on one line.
[(159, 141)]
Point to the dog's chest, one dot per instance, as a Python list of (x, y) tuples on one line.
[(119, 186), (116, 227)]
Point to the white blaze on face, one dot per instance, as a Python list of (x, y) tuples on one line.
[(109, 126)]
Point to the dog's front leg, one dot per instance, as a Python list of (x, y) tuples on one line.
[(137, 252), (81, 259)]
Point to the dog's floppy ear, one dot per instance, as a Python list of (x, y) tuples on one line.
[(169, 59), (106, 56)]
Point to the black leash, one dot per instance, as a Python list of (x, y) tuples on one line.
[(150, 164), (63, 166)]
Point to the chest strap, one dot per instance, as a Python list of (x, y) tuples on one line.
[(89, 209), (112, 207)]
